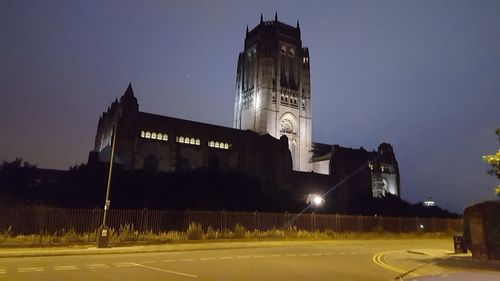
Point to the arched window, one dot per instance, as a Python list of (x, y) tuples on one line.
[(217, 144), (148, 135), (211, 143), (286, 126), (226, 146), (159, 136), (143, 134), (153, 135), (165, 137), (186, 140), (197, 141), (191, 141), (181, 139)]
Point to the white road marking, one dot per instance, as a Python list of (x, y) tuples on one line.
[(226, 258), (30, 269), (290, 255), (258, 256), (187, 259), (148, 262), (304, 255), (207, 259), (65, 267), (124, 264), (97, 265), (242, 257), (316, 254), (168, 260), (274, 256), (3, 271), (166, 271)]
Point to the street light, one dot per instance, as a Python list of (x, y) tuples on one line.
[(103, 238), (315, 200)]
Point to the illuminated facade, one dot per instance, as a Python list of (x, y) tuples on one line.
[(273, 92)]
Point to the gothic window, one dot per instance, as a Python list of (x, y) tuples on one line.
[(159, 136), (148, 135), (226, 146), (217, 144), (286, 126), (153, 135), (211, 143), (197, 141), (181, 139), (143, 134), (165, 137), (191, 141)]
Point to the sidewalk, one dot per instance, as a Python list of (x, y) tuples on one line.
[(433, 262), (92, 250)]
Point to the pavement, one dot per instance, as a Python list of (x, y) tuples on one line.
[(439, 263)]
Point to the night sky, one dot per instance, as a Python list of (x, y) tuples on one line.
[(421, 75)]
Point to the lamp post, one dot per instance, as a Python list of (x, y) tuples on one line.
[(103, 238)]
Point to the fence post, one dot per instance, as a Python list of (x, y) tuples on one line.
[(381, 224), (360, 223), (337, 221), (312, 221)]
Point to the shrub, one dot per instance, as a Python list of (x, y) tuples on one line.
[(128, 233), (71, 236), (194, 231), (239, 231), (211, 233)]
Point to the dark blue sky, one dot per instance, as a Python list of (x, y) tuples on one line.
[(422, 75)]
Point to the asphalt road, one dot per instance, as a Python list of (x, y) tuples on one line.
[(338, 260)]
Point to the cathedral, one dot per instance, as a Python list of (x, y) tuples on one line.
[(271, 138)]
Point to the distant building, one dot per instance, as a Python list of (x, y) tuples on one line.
[(429, 202), (272, 134)]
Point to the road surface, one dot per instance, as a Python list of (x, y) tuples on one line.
[(320, 260)]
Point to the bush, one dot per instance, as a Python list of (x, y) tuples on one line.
[(71, 236), (127, 233), (194, 231), (211, 233), (239, 231)]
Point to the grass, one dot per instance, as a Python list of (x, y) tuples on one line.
[(127, 234)]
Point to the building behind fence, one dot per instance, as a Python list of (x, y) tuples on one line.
[(38, 220)]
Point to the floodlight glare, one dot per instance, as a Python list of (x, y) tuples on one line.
[(315, 200)]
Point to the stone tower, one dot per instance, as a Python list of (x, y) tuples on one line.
[(273, 92)]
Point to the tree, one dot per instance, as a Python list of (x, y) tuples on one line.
[(494, 161)]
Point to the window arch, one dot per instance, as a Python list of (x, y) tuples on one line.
[(148, 135)]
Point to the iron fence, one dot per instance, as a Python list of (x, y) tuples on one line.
[(43, 220)]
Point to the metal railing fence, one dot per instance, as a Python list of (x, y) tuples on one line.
[(43, 220)]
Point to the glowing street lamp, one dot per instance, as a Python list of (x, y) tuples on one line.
[(315, 200)]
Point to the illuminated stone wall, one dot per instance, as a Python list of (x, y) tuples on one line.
[(273, 88)]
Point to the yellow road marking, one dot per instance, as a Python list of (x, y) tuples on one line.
[(378, 260)]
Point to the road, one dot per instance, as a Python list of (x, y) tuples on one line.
[(323, 260)]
